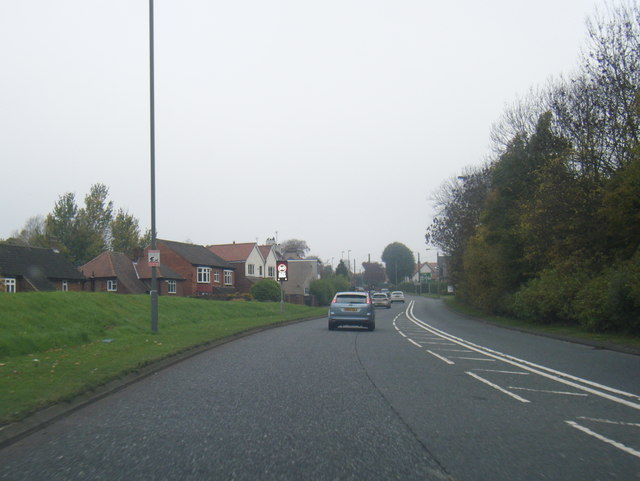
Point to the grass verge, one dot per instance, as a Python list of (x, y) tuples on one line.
[(57, 346)]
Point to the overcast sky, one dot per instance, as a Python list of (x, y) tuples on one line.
[(328, 121)]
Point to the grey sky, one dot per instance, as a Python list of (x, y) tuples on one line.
[(332, 122)]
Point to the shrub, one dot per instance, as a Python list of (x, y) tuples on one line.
[(266, 290), (323, 290)]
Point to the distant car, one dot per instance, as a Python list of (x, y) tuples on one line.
[(352, 309), (381, 299), (397, 296)]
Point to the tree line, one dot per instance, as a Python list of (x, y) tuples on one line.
[(548, 229), (81, 233)]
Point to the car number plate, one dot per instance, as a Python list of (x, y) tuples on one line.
[(350, 309)]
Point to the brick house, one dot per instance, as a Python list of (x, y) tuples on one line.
[(115, 272), (24, 269), (204, 273), (170, 283), (247, 259)]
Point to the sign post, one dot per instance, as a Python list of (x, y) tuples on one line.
[(282, 269)]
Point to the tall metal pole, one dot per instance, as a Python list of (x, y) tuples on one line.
[(154, 274), (419, 278)]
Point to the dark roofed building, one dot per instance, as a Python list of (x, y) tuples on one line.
[(24, 269), (204, 272), (115, 272), (112, 272)]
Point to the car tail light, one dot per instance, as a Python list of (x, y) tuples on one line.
[(335, 299)]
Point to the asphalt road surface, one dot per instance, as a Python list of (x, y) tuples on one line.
[(428, 395)]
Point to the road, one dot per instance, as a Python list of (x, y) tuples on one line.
[(429, 395)]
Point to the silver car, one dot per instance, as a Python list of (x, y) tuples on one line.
[(352, 309), (397, 296), (381, 299)]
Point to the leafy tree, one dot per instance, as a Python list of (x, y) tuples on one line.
[(32, 234), (294, 247), (458, 206), (342, 270), (399, 262), (266, 290), (125, 234), (374, 273)]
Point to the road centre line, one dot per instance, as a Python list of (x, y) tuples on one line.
[(495, 386), (561, 377), (600, 437)]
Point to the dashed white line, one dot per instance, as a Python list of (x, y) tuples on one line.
[(413, 342)]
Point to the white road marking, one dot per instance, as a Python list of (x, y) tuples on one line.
[(504, 372), (442, 358), (558, 376), (608, 421), (413, 342), (483, 359), (565, 393), (495, 386), (600, 437)]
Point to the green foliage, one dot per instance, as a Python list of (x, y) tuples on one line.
[(125, 234), (342, 270), (325, 289), (399, 262), (548, 298), (266, 290), (374, 274), (553, 232)]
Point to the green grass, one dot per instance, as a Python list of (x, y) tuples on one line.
[(558, 330), (56, 346)]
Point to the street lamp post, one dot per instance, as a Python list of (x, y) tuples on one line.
[(152, 128)]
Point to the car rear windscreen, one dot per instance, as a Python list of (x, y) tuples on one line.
[(352, 299)]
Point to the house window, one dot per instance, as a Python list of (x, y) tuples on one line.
[(216, 277), (250, 269), (204, 275), (260, 271), (9, 285), (65, 286), (112, 286), (228, 279), (172, 287), (272, 271)]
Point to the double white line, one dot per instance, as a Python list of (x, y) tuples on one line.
[(600, 390)]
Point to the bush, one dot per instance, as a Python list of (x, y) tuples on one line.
[(266, 290), (611, 300), (323, 291), (546, 299)]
